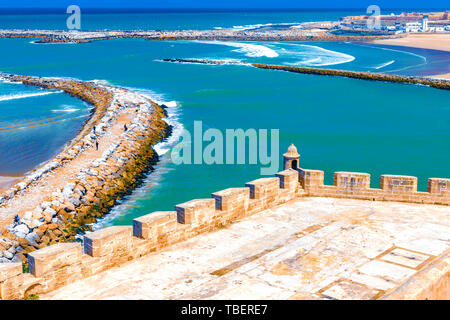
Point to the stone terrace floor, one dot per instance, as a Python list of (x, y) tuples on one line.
[(310, 248)]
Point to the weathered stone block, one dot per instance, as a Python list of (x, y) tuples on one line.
[(57, 256), (155, 224), (11, 280), (351, 181), (311, 178), (263, 188), (9, 270), (232, 199), (438, 186), (398, 184), (288, 179), (108, 241), (195, 211)]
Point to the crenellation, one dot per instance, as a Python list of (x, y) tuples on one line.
[(438, 186), (289, 185), (263, 187), (57, 256), (352, 182), (398, 184), (155, 224), (195, 211), (232, 200), (311, 178), (108, 241)]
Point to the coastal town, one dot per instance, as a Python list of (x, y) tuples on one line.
[(349, 28)]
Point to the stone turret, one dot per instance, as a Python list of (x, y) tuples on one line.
[(291, 158)]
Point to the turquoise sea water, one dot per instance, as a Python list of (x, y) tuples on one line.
[(338, 124)]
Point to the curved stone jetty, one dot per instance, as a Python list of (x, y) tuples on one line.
[(61, 197), (435, 83)]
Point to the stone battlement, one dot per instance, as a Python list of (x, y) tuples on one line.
[(60, 264)]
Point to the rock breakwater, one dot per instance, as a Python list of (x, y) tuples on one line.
[(56, 36), (435, 83), (62, 197)]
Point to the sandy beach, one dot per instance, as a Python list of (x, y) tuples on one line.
[(6, 182), (442, 76), (420, 40)]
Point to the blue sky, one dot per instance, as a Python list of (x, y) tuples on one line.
[(224, 4)]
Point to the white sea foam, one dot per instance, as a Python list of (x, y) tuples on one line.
[(66, 108), (384, 64), (258, 25), (3, 80), (25, 95), (36, 42), (173, 115), (315, 56), (250, 50), (152, 180)]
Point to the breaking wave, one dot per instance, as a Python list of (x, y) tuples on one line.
[(66, 108), (384, 64), (315, 56), (250, 50), (25, 95)]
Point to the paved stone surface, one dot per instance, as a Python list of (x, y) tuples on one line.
[(310, 248)]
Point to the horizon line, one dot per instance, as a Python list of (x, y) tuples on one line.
[(214, 8)]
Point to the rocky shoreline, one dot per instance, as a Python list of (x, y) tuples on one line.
[(59, 36), (435, 83), (62, 197)]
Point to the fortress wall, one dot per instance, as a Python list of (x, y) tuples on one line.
[(59, 264), (356, 185)]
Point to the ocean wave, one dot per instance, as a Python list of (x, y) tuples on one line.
[(36, 42), (173, 116), (315, 56), (250, 50), (257, 26), (384, 64), (6, 81), (66, 108), (25, 95)]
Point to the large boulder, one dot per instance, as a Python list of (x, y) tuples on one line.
[(22, 228)]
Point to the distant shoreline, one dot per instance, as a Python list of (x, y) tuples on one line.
[(60, 36)]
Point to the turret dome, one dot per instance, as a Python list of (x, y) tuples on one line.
[(292, 152)]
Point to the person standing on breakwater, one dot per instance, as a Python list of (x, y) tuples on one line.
[(96, 144), (125, 128), (94, 129)]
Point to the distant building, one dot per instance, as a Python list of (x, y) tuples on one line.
[(425, 23)]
